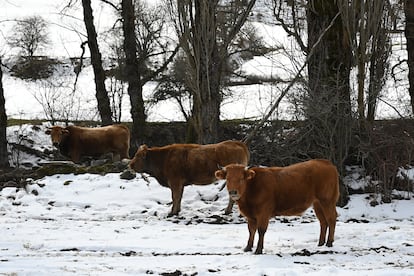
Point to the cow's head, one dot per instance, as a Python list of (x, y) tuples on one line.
[(137, 163), (57, 133), (236, 177)]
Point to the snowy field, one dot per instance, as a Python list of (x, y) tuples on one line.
[(102, 225)]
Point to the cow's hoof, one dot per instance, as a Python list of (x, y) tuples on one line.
[(172, 215), (329, 244), (258, 252)]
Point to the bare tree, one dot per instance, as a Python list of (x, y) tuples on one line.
[(327, 101), (4, 158), (147, 54), (206, 29), (367, 24), (96, 59), (116, 94), (378, 66), (328, 106), (409, 35), (132, 71), (60, 102), (30, 35), (174, 83)]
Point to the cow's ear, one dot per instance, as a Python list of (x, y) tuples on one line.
[(65, 131), (48, 131), (220, 174), (250, 174)]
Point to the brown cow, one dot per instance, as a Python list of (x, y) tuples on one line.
[(263, 193), (75, 142), (179, 165)]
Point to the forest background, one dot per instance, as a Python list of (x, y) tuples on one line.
[(345, 60)]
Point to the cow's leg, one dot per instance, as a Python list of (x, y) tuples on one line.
[(319, 211), (261, 229), (124, 152), (331, 215), (75, 156), (252, 226), (177, 189), (116, 157), (229, 207)]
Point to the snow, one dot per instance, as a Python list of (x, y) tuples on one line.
[(102, 225)]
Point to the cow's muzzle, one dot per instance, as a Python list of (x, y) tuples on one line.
[(56, 144), (234, 195)]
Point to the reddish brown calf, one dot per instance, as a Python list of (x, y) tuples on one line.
[(262, 193)]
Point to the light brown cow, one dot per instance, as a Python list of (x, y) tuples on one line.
[(179, 165), (75, 142), (263, 193)]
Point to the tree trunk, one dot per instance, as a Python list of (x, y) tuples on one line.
[(206, 97), (96, 59), (378, 67), (132, 74), (329, 106), (409, 36), (4, 158), (361, 86)]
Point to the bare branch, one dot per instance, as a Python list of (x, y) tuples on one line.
[(162, 67), (295, 32), (260, 124), (111, 4)]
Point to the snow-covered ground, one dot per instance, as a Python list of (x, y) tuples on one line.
[(102, 225)]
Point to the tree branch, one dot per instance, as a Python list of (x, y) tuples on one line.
[(78, 67), (111, 4), (163, 66)]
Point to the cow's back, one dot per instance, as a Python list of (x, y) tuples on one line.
[(197, 163), (294, 188), (96, 141), (232, 152), (326, 179), (316, 174), (190, 162)]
